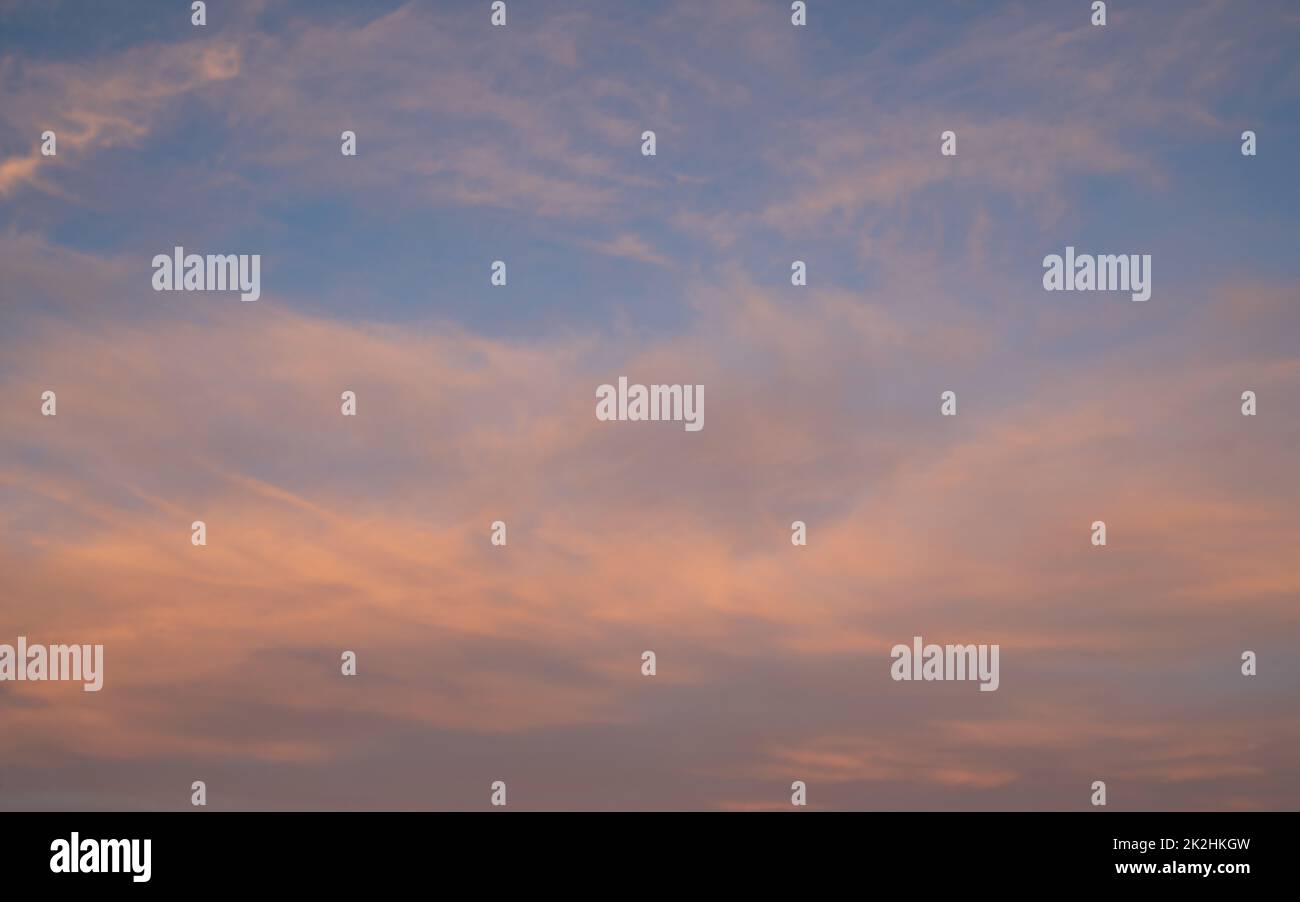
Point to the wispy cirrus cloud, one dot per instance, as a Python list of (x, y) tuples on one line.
[(371, 534), (476, 404)]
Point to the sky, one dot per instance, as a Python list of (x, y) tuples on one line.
[(475, 403)]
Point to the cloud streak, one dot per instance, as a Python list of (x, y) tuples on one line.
[(476, 404)]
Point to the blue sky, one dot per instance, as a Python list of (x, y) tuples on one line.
[(742, 114), (775, 143)]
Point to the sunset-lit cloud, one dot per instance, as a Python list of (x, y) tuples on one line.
[(476, 404)]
